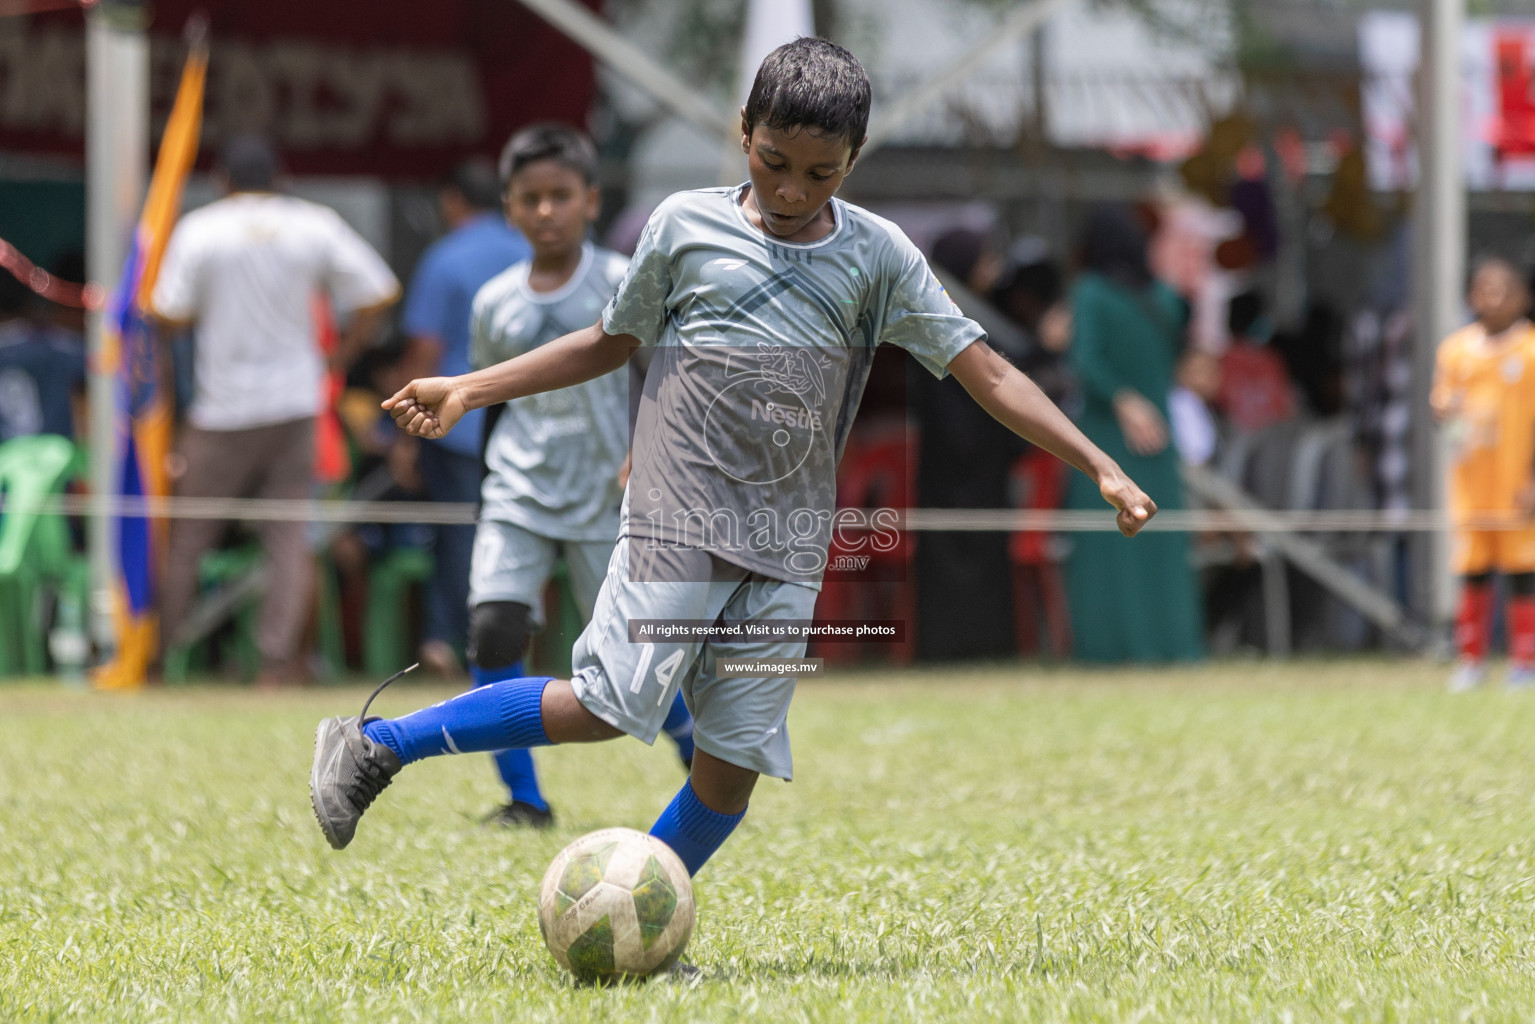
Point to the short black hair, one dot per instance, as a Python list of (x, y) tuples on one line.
[(1114, 245), (1243, 311), (811, 83), (549, 140), (475, 180), (1486, 260), (15, 297), (251, 163), (958, 251), (68, 265), (1041, 281)]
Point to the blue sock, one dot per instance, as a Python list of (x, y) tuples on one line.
[(692, 830), (514, 764), (494, 717), (679, 726)]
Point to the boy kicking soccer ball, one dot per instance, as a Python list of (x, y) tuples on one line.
[(553, 460), (764, 303)]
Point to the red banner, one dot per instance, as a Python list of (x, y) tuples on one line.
[(388, 88), (1514, 57)]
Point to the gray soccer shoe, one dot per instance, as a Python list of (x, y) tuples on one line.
[(349, 772)]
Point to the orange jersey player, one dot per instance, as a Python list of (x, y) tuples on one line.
[(1484, 394)]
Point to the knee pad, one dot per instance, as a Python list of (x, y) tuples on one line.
[(498, 633)]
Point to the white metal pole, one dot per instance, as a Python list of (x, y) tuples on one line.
[(116, 163), (1024, 19), (599, 39), (769, 24), (1440, 268)]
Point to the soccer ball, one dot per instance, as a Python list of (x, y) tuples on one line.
[(616, 904)]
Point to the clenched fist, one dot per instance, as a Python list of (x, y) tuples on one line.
[(428, 407), (1134, 506)]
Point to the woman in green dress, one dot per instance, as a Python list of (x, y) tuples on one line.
[(1130, 602)]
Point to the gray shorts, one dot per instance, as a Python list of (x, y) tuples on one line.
[(742, 720), (511, 563)]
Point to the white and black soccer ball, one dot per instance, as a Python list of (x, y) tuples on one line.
[(616, 904)]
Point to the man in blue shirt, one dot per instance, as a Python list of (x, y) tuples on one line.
[(478, 246), (42, 361)]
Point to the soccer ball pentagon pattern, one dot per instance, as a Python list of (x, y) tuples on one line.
[(616, 904)]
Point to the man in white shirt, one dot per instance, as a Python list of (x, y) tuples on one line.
[(245, 273)]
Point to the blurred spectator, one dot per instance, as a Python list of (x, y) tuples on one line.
[(1255, 388), (1130, 600), (971, 257), (243, 272), (1197, 383), (1186, 254), (964, 593), (478, 246), (1029, 295), (1377, 384), (1028, 292), (42, 360), (384, 469), (1380, 401), (1314, 355), (13, 297), (1231, 576)]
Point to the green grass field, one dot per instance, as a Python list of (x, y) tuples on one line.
[(1313, 841)]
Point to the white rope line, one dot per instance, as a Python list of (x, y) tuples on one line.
[(1191, 521), (919, 520), (258, 509)]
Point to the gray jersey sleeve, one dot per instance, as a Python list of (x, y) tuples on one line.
[(487, 345), (638, 307), (479, 343), (920, 317)]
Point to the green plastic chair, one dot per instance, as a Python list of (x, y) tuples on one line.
[(218, 568), (214, 570), (386, 647), (332, 638), (35, 550)]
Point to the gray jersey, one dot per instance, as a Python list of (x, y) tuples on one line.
[(763, 350), (553, 458)]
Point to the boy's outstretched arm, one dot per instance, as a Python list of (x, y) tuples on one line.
[(1017, 403), (429, 407)]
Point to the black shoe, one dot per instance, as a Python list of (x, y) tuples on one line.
[(518, 814), (349, 771)]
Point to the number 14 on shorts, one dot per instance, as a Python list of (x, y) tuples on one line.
[(664, 671)]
